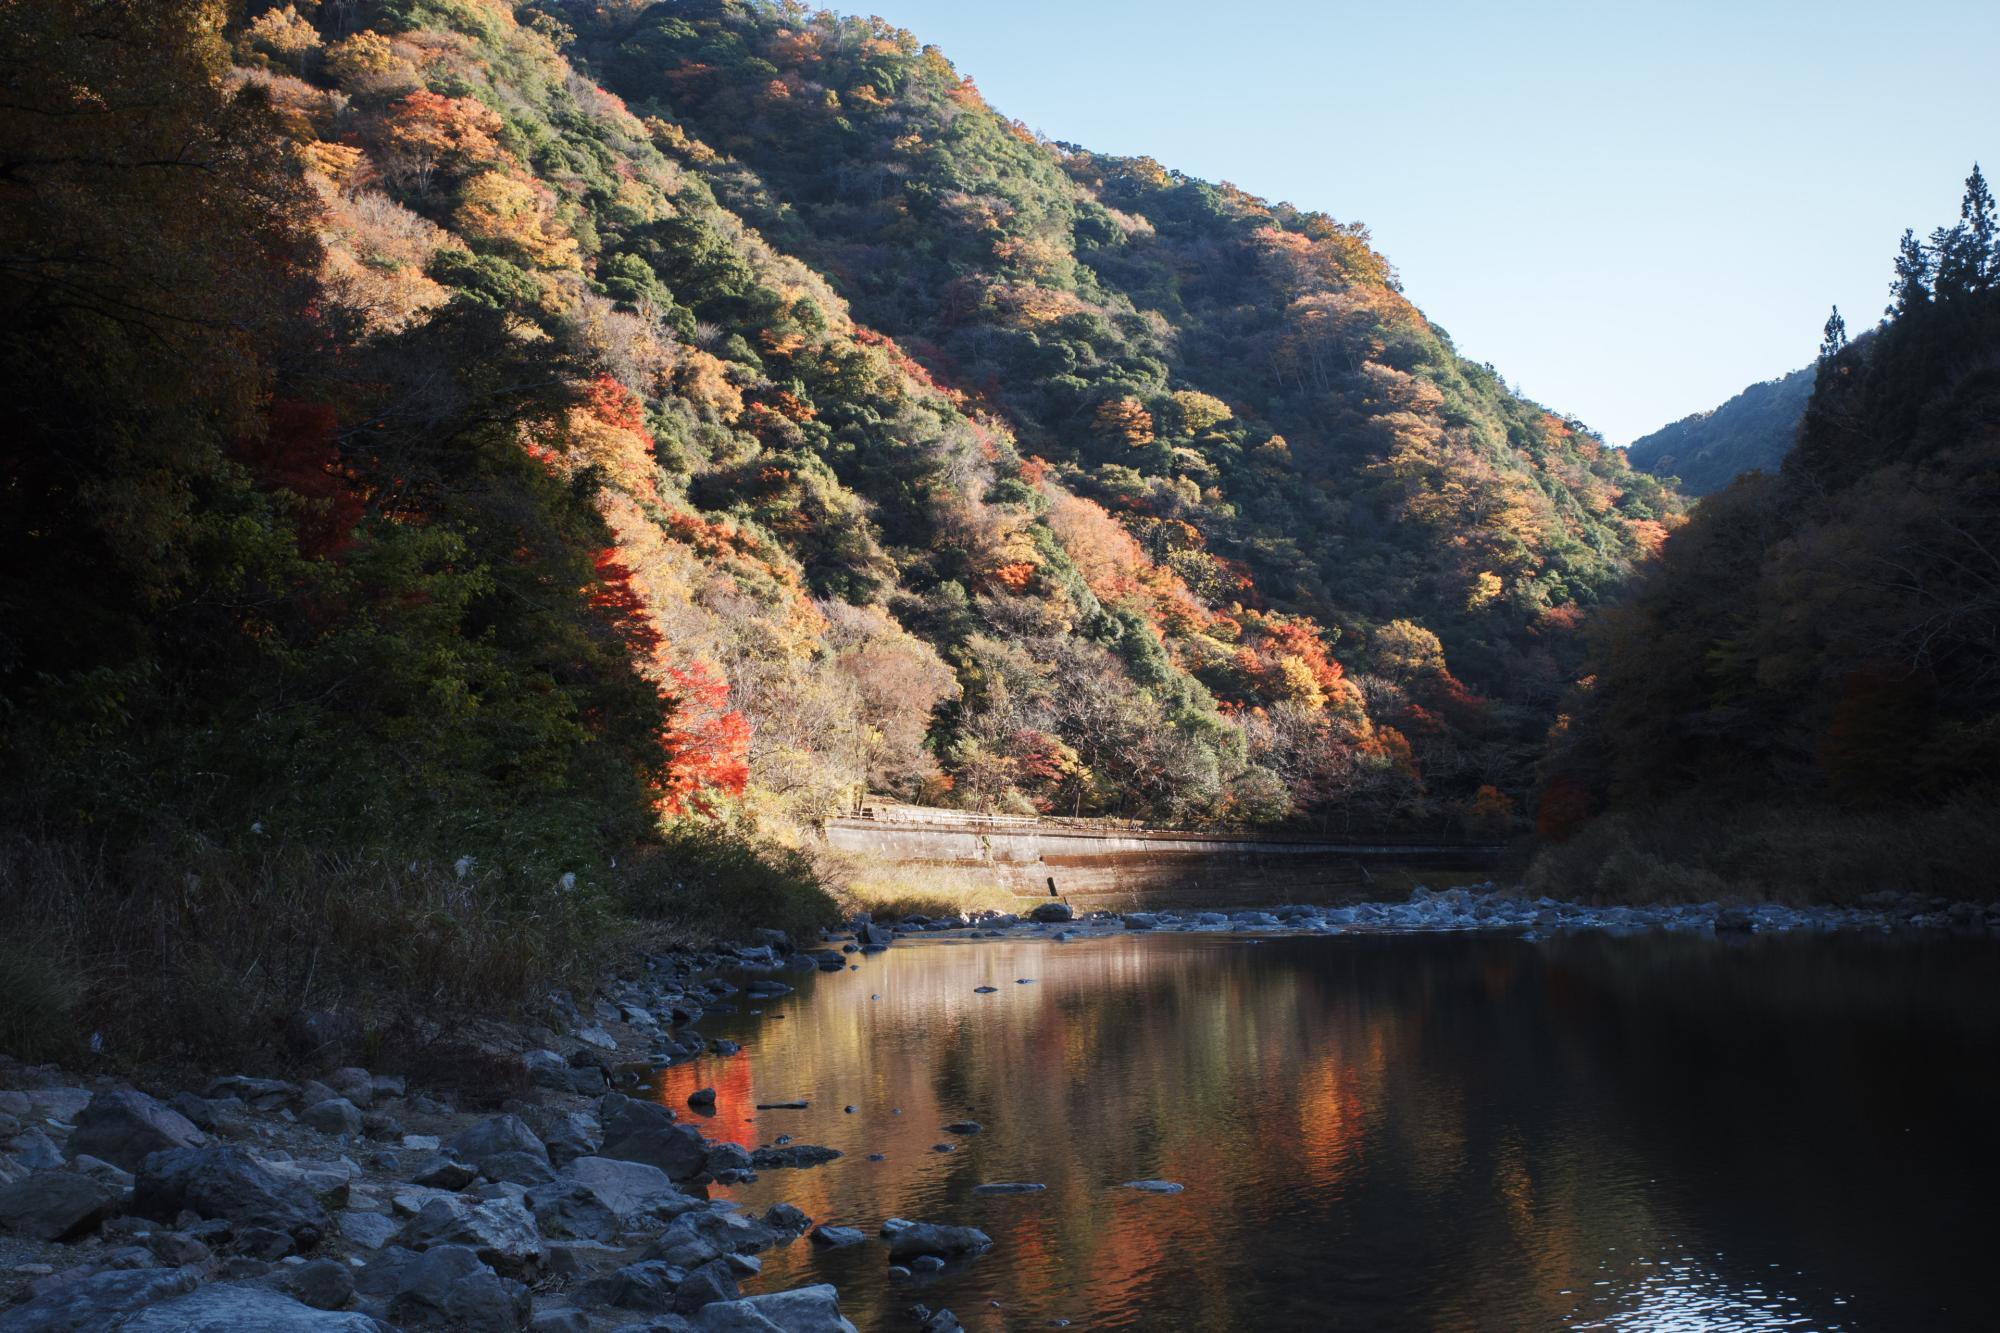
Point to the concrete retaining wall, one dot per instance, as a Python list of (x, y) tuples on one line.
[(1134, 867)]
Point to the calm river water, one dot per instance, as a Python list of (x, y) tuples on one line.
[(1387, 1132)]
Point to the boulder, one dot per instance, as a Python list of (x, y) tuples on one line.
[(836, 1237), (912, 1239), (324, 1284), (703, 1100), (569, 1135), (259, 1094), (636, 1131), (693, 1239), (706, 1285), (367, 1231), (814, 1309), (1139, 921), (1154, 1186), (599, 1198), (500, 1231), (62, 1105), (518, 1168), (230, 1184), (444, 1172), (649, 1286), (499, 1142), (244, 1307), (1052, 912), (55, 1205), (336, 1115), (36, 1151), (97, 1301), (125, 1125), (116, 1177), (448, 1286), (355, 1084)]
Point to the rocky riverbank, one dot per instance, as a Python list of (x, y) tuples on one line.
[(358, 1200), (529, 1180)]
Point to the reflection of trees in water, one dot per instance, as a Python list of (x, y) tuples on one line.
[(1368, 1129)]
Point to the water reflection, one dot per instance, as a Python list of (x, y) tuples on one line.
[(1390, 1132)]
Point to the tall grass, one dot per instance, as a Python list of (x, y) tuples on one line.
[(1691, 852)]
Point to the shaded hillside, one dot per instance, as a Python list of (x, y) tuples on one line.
[(1752, 432), (1804, 691)]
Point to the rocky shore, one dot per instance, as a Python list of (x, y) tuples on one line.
[(529, 1180)]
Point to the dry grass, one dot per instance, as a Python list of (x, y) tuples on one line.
[(1799, 854), (894, 889), (214, 956)]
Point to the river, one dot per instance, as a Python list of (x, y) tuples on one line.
[(1439, 1131)]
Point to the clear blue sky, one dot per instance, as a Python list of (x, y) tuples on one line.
[(1632, 211)]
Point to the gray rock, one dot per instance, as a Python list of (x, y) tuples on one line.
[(1009, 1187), (200, 1111), (227, 1183), (324, 1284), (116, 1177), (836, 1237), (636, 1131), (357, 1085), (1140, 921), (62, 1105), (694, 1238), (559, 1321), (942, 1321), (501, 1140), (649, 1286), (369, 1231), (449, 1286), (55, 1205), (244, 1307), (259, 1094), (36, 1151), (1051, 912), (123, 1126), (912, 1239), (569, 1135), (627, 1189), (713, 1281), (795, 1154), (1154, 1186), (702, 1099), (518, 1168), (96, 1301), (177, 1249), (336, 1115), (500, 1231), (872, 937), (444, 1172), (964, 1127), (814, 1309)]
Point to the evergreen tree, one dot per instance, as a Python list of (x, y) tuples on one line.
[(1912, 287), (1965, 253), (1835, 336), (1976, 215)]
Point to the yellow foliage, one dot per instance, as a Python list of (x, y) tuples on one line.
[(1199, 411), (516, 212)]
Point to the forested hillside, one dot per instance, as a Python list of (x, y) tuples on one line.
[(1752, 432), (1240, 384), (1804, 692)]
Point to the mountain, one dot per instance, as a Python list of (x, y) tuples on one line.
[(1801, 695), (1241, 383), (1751, 432)]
